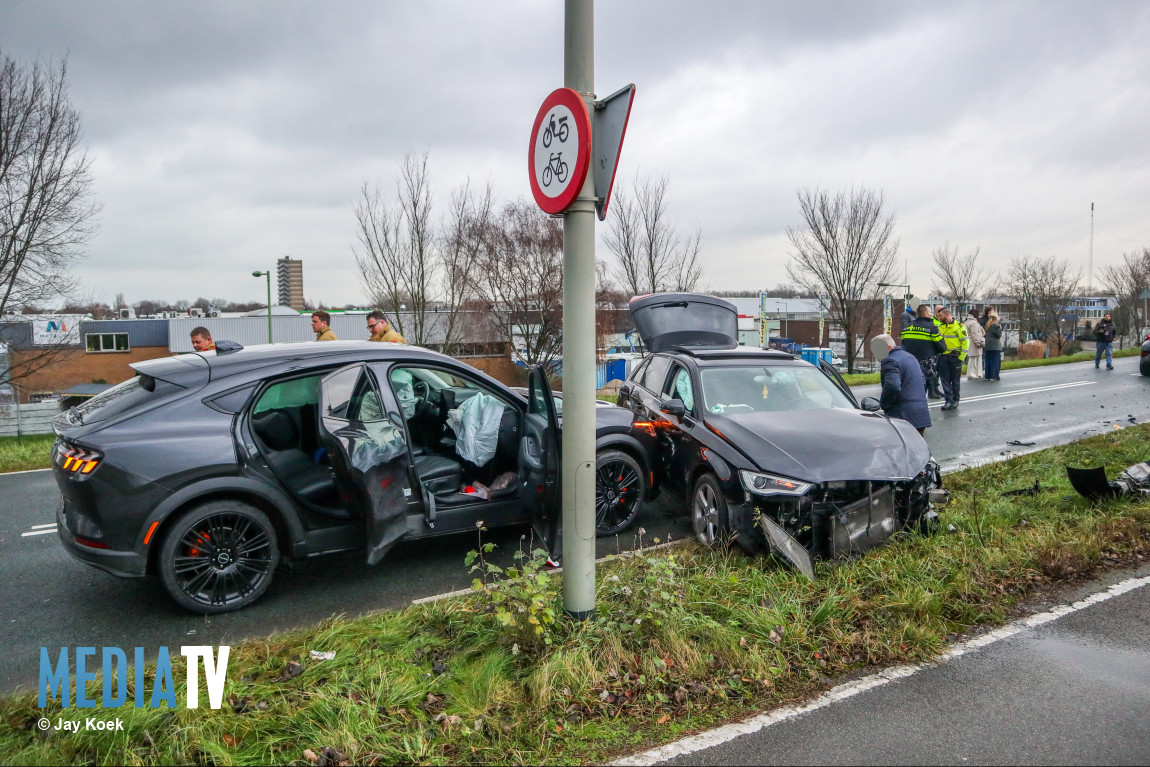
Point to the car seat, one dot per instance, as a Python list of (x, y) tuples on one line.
[(300, 471)]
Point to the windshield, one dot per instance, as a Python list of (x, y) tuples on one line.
[(759, 389)]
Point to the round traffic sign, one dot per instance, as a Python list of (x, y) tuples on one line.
[(560, 150)]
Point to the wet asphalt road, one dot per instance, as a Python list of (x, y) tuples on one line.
[(50, 600), (1074, 691)]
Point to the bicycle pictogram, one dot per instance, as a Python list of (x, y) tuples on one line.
[(557, 167), (552, 131)]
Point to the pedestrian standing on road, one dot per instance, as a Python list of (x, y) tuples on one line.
[(321, 324), (903, 388), (1104, 341), (977, 337), (380, 330), (922, 339), (950, 362), (986, 310), (905, 318), (202, 340), (992, 347)]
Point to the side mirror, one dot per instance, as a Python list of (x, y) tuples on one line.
[(674, 407), (870, 404)]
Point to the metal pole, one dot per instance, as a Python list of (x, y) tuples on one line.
[(579, 338), (269, 275)]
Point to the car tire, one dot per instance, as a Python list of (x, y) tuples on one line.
[(709, 511), (219, 557), (620, 489)]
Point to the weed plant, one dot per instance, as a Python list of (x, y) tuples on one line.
[(682, 638)]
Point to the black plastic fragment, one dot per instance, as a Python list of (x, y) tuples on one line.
[(1092, 483), (1033, 490)]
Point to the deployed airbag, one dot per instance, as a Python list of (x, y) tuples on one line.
[(476, 427)]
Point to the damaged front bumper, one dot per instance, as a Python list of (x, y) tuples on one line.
[(841, 519)]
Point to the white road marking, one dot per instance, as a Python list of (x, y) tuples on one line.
[(25, 471), (1017, 392), (719, 735), (45, 526), (38, 532)]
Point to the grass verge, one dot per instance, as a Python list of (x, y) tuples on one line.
[(684, 638), (865, 379), (24, 453)]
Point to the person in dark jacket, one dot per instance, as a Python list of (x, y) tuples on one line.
[(1104, 341), (905, 319), (903, 389), (992, 349), (922, 339)]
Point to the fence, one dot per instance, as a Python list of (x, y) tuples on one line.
[(18, 420)]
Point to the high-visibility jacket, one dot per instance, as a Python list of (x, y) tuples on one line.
[(954, 336), (922, 339)]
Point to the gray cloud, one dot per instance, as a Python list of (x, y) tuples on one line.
[(226, 135)]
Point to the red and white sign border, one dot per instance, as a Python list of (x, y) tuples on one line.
[(574, 102)]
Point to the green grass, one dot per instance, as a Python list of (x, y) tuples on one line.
[(719, 635), (865, 379), (28, 452)]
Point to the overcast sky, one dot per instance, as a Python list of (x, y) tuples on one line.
[(227, 135)]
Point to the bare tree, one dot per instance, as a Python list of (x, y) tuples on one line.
[(47, 214), (520, 279), (467, 225), (958, 278), (1043, 289), (845, 247), (409, 259), (650, 255), (1129, 281)]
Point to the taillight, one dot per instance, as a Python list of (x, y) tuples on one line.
[(77, 460)]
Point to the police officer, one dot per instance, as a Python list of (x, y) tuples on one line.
[(950, 362), (922, 339)]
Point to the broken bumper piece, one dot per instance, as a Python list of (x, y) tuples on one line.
[(1093, 485)]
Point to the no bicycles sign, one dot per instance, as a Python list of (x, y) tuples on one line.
[(560, 150)]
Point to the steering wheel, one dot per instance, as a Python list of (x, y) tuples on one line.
[(421, 389)]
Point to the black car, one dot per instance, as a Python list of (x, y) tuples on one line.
[(768, 448), (1144, 361), (205, 469)]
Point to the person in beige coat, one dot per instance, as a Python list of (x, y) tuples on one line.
[(977, 337)]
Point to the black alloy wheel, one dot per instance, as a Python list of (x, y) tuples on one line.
[(219, 557), (619, 492)]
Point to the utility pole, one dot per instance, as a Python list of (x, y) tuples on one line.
[(578, 468)]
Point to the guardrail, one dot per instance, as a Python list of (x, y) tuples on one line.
[(19, 420)]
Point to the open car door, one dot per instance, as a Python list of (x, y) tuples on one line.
[(539, 462), (837, 379), (369, 454)]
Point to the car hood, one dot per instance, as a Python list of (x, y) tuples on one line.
[(823, 445)]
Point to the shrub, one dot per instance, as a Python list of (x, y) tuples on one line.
[(1031, 350)]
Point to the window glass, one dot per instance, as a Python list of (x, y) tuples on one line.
[(287, 394), (749, 389), (93, 343), (121, 342), (679, 387), (656, 373), (119, 398), (639, 370), (337, 392)]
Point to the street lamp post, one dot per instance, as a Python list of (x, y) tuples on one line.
[(269, 276)]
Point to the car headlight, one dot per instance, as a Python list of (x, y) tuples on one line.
[(769, 484)]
